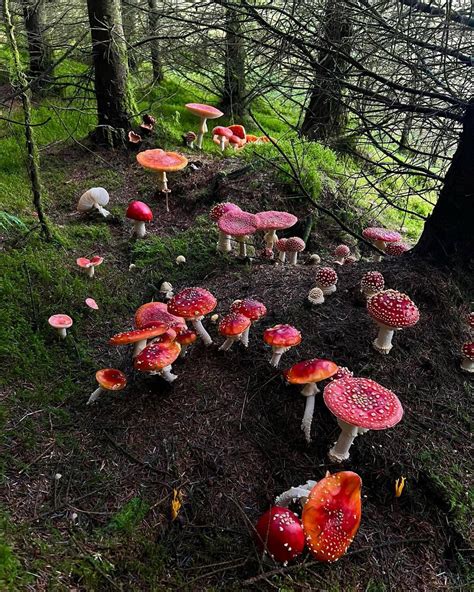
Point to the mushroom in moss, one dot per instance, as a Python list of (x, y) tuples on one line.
[(380, 237), (193, 304), (467, 362), (157, 358), (396, 249), (316, 296), (294, 245), (217, 211), (236, 142), (204, 112), (140, 213), (326, 279), (239, 131), (238, 225), (190, 138), (134, 138), (271, 221), (360, 405), (309, 373), (60, 322), (280, 534), (94, 199), (109, 379), (159, 162), (89, 265), (221, 136), (371, 283), (341, 252), (253, 310), (139, 337), (232, 326), (281, 338), (392, 311)]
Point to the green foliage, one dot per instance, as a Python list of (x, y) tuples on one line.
[(12, 575), (130, 516)]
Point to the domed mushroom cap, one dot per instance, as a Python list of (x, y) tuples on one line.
[(393, 309), (310, 371), (167, 337), (222, 208), (326, 276), (95, 195), (252, 309), (342, 251), (237, 223), (233, 324), (186, 337), (396, 249), (382, 234), (280, 533), (316, 296), (274, 220), (157, 356), (206, 111), (153, 312), (111, 379), (295, 244), (135, 335), (282, 336), (468, 350), (372, 280), (158, 161), (281, 244), (331, 516), (220, 130), (363, 403), (239, 131), (60, 321), (343, 372), (83, 262), (138, 210), (191, 303)]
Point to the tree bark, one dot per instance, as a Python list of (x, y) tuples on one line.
[(114, 97), (448, 234), (128, 23), (233, 93), (40, 54), (153, 17)]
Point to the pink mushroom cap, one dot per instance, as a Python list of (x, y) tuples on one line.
[(396, 249), (393, 309), (138, 210), (468, 350), (60, 321), (238, 223), (382, 234), (372, 280), (233, 324), (91, 303), (281, 244), (295, 244), (252, 309), (220, 130), (274, 220), (206, 111), (342, 251), (222, 208), (282, 336)]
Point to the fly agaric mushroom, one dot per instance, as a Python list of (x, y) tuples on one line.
[(391, 310), (253, 310), (60, 322), (316, 296), (309, 373), (89, 265), (380, 237), (204, 112), (467, 362), (222, 134), (280, 246), (159, 162), (281, 338), (294, 245), (280, 534), (342, 372), (153, 313), (109, 379), (185, 339), (271, 221), (360, 405), (470, 320), (371, 283), (97, 197), (232, 327), (91, 303), (238, 225), (157, 358), (326, 279), (341, 252), (396, 249), (140, 213), (217, 211), (138, 337), (193, 304)]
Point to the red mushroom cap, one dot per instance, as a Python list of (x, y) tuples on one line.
[(135, 335), (152, 312), (237, 223), (343, 372), (382, 234), (157, 356), (282, 336), (186, 337), (372, 280), (137, 210), (222, 208), (239, 131), (295, 244), (281, 244), (167, 337), (252, 309), (393, 309), (342, 251), (331, 516), (310, 371), (363, 403), (206, 111), (236, 141), (96, 260), (111, 379), (274, 220), (468, 350), (326, 276), (192, 303), (83, 262), (280, 533), (60, 321), (396, 249), (220, 130), (233, 324)]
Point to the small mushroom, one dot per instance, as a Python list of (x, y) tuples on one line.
[(140, 213), (134, 138), (139, 337), (271, 221), (157, 358), (193, 304), (380, 237), (89, 265), (148, 123), (294, 245), (314, 259), (350, 260), (280, 534), (280, 246), (326, 279), (204, 112), (60, 322), (253, 310), (167, 290), (467, 351), (185, 338), (232, 327), (316, 296), (281, 338), (221, 135), (91, 303), (238, 225), (217, 211), (94, 198), (190, 138), (371, 283), (109, 379), (180, 260), (341, 252)]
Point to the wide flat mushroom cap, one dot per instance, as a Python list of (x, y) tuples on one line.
[(233, 324), (295, 243), (135, 335), (158, 160), (310, 371), (83, 262), (468, 350), (363, 403), (60, 321), (111, 379), (253, 309), (206, 111), (191, 303), (222, 208), (326, 276), (138, 210), (238, 223), (332, 514), (393, 309), (151, 312), (373, 280), (157, 356), (275, 220), (282, 336), (220, 130), (388, 236)]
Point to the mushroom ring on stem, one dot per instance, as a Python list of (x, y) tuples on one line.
[(157, 358), (217, 211), (271, 221), (326, 279), (109, 379), (371, 283), (139, 337), (140, 213), (253, 310), (238, 225), (89, 265), (280, 534), (94, 198), (281, 338), (360, 405), (380, 237), (204, 112), (232, 327), (308, 373), (193, 304), (60, 322), (467, 362)]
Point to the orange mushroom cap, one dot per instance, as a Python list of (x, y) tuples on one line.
[(135, 335), (233, 324), (310, 371), (186, 337), (157, 356), (158, 161), (111, 379)]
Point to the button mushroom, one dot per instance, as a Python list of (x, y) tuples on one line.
[(280, 534), (467, 362), (60, 322), (326, 279), (316, 296), (217, 211), (232, 327), (140, 213), (253, 310), (193, 304), (380, 237), (109, 379), (238, 225), (371, 283), (281, 338), (294, 245), (94, 198), (204, 112)]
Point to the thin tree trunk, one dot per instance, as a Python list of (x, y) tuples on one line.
[(233, 94), (128, 21), (153, 17), (39, 50)]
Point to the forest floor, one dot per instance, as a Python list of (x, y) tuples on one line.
[(87, 491)]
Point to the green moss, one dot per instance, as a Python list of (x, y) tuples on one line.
[(130, 516)]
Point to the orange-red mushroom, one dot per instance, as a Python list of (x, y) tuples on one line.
[(204, 112), (109, 379)]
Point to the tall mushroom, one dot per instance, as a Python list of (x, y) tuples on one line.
[(140, 213), (139, 337), (309, 373), (238, 225), (217, 211), (60, 322), (204, 112), (271, 221), (326, 279), (280, 534), (293, 246), (371, 283), (340, 253), (380, 237), (109, 379), (232, 327), (89, 265), (391, 310), (94, 199), (157, 358), (281, 338), (360, 405), (193, 304), (467, 362), (253, 310)]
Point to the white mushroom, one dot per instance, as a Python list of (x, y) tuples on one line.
[(94, 198)]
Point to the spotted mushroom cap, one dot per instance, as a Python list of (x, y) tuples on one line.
[(96, 260), (135, 335), (326, 276), (282, 336), (206, 111), (60, 321), (186, 337), (470, 319), (382, 234), (295, 243), (157, 356), (342, 251), (279, 532), (111, 379), (138, 210), (222, 208), (332, 514), (343, 372), (192, 303), (310, 371), (152, 312), (233, 324), (281, 244), (238, 223), (167, 337), (396, 249), (393, 309), (274, 220), (468, 350), (252, 309), (372, 280), (363, 403)]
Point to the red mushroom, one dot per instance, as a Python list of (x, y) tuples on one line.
[(60, 322), (396, 249), (380, 237), (185, 339), (341, 252), (157, 358), (91, 303), (326, 279), (253, 310), (391, 310), (467, 362), (470, 321), (293, 246), (281, 338), (217, 211), (139, 337), (89, 265), (239, 131), (360, 405), (140, 213), (371, 283), (238, 225), (204, 112), (152, 313), (109, 379), (236, 142), (232, 327), (271, 221), (280, 246), (280, 534), (193, 304), (222, 135)]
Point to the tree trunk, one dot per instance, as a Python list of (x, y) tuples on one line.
[(154, 44), (40, 54), (128, 22), (448, 234), (114, 97), (233, 94), (325, 116)]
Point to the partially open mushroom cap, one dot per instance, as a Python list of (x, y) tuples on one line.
[(220, 130), (135, 335), (238, 223), (372, 280), (138, 210), (157, 356), (239, 131), (111, 379), (393, 309), (468, 350), (274, 220), (158, 161), (363, 403), (204, 110), (152, 312), (192, 303), (233, 324), (222, 208), (326, 276), (295, 243), (252, 309), (382, 234), (331, 516), (396, 249), (96, 195), (282, 336), (310, 371), (60, 321)]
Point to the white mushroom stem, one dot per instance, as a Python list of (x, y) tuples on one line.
[(203, 334), (327, 289), (223, 244), (339, 260), (62, 332), (138, 347), (294, 494), (222, 143), (102, 210), (467, 364), (340, 451), (90, 271), (244, 338), (139, 228), (95, 395), (277, 353), (202, 131), (167, 374), (270, 239), (242, 246), (292, 257), (380, 244), (282, 256), (309, 391), (383, 342)]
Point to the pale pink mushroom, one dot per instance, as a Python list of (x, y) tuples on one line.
[(326, 279), (271, 221), (294, 245), (204, 112), (223, 245), (371, 283), (60, 322), (380, 237), (238, 225), (91, 303), (221, 136), (89, 265), (341, 252)]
